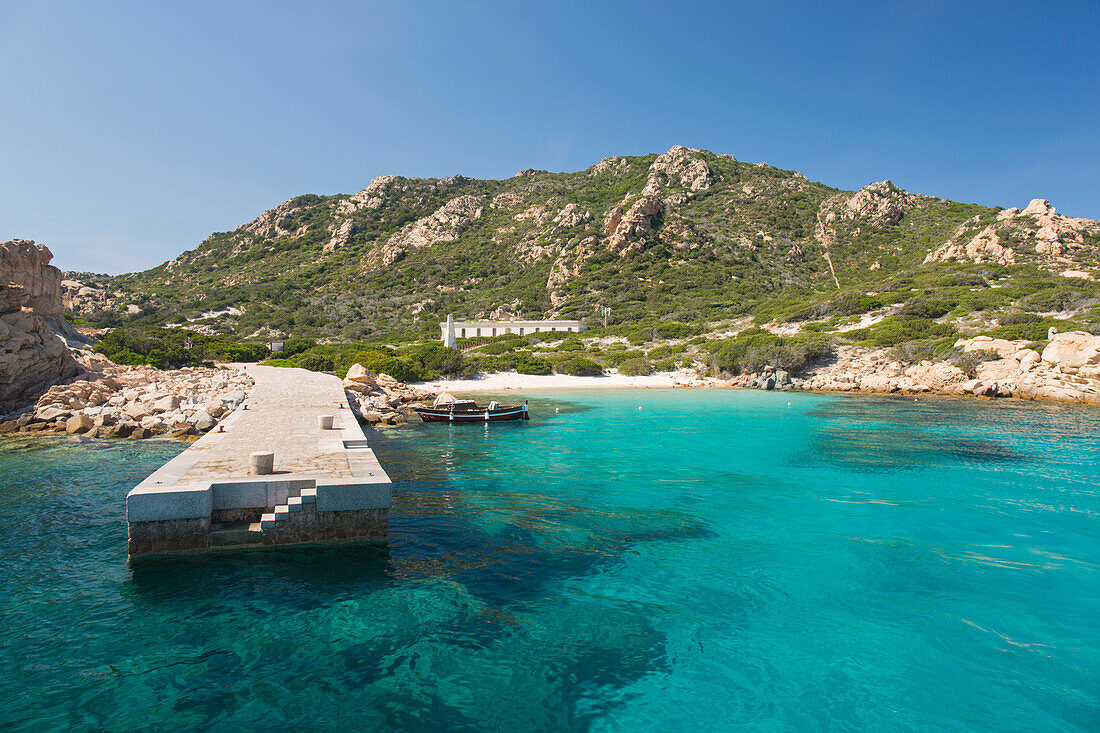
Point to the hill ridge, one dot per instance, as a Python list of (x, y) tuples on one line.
[(682, 235)]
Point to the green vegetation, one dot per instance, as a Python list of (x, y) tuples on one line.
[(172, 348), (636, 367), (754, 348), (579, 366), (748, 249), (412, 363)]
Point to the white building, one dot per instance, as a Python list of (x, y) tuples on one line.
[(469, 329)]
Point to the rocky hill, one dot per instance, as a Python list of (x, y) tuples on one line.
[(687, 235)]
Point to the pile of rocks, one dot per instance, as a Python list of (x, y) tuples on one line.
[(113, 401), (379, 399), (769, 377), (874, 370)]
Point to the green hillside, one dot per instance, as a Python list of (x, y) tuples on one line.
[(687, 236)]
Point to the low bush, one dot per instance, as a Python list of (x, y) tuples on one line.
[(968, 361), (754, 348), (925, 308), (666, 365), (295, 346), (530, 364), (400, 368), (615, 358), (912, 352), (170, 348), (434, 359), (636, 367), (900, 329), (665, 351), (579, 366), (315, 362)]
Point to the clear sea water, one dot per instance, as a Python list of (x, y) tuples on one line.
[(632, 560)]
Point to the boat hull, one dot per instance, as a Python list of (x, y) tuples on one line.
[(500, 414)]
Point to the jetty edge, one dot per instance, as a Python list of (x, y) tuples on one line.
[(292, 466)]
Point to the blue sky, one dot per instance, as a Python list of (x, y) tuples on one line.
[(130, 131)]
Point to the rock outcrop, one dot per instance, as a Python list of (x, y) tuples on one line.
[(680, 166), (674, 178), (613, 164), (277, 222), (381, 190), (627, 229), (879, 204), (445, 225), (1068, 370), (33, 350), (1038, 231)]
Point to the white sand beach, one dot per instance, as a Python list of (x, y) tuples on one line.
[(502, 381)]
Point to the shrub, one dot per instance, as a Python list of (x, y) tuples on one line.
[(1029, 327), (435, 358), (925, 308), (916, 351), (899, 329), (501, 347), (579, 366), (675, 330), (615, 358), (529, 364), (969, 361), (637, 367), (755, 348), (315, 362), (174, 347), (665, 351), (295, 346), (127, 358), (399, 368), (665, 365), (849, 303)]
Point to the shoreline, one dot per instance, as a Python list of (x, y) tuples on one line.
[(500, 382), (505, 381)]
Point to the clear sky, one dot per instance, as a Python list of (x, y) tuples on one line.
[(130, 131)]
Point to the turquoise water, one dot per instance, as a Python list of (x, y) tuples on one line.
[(711, 561)]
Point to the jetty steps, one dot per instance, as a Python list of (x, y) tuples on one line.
[(291, 466)]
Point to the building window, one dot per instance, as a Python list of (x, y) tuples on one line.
[(521, 331), (463, 333), (494, 332), (536, 329), (479, 332)]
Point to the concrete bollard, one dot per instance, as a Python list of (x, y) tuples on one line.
[(261, 463), (325, 422)]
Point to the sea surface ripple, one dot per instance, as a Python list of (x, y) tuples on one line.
[(627, 560)]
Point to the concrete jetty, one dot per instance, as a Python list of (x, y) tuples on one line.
[(325, 484)]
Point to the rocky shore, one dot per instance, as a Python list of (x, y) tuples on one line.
[(380, 400), (1067, 370), (112, 401)]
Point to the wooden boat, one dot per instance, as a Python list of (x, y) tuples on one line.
[(470, 411)]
